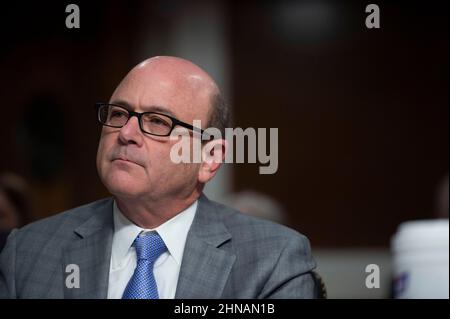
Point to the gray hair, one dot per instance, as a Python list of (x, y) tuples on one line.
[(219, 114)]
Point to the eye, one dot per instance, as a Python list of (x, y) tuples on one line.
[(155, 120), (158, 121), (117, 114)]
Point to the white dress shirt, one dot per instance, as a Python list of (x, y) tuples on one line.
[(166, 268)]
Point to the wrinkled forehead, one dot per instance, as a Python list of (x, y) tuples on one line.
[(184, 90)]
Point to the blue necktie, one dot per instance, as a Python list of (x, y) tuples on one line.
[(142, 284)]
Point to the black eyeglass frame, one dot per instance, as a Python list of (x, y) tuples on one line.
[(175, 121)]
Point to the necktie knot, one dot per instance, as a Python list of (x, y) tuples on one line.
[(149, 246)]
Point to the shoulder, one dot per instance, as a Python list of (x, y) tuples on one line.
[(271, 259), (249, 230), (61, 224)]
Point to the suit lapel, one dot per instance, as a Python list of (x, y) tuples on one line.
[(205, 267), (91, 254), (204, 270)]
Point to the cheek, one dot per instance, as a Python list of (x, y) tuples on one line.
[(160, 167), (101, 156), (185, 174), (103, 163)]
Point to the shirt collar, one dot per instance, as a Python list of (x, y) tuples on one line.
[(173, 232)]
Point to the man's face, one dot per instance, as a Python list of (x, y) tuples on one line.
[(133, 164)]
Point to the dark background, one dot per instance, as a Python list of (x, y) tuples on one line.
[(362, 113)]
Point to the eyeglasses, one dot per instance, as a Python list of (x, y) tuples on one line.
[(153, 123)]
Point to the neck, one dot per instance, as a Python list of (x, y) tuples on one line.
[(150, 214)]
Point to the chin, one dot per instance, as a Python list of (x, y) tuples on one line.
[(124, 184)]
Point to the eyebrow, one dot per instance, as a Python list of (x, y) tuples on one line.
[(151, 108)]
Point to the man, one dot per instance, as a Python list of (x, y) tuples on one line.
[(159, 236)]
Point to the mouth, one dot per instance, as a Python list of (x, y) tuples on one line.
[(124, 160)]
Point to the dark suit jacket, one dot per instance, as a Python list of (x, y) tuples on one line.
[(227, 255)]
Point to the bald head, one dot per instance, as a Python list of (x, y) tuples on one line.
[(183, 72), (170, 82)]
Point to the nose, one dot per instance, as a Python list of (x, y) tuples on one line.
[(131, 133)]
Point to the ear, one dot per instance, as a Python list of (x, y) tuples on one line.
[(213, 155)]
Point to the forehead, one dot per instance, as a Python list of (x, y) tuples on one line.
[(184, 95)]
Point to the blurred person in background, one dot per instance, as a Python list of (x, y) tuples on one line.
[(14, 204), (159, 236), (257, 204)]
